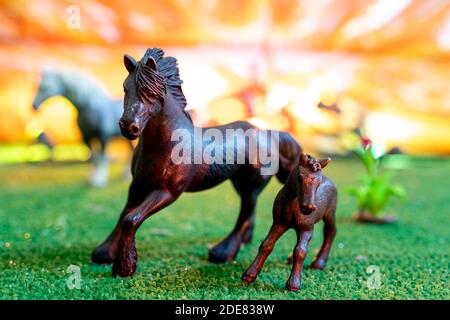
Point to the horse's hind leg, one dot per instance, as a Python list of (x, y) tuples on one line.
[(329, 232), (228, 248), (99, 177)]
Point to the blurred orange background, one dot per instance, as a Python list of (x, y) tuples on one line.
[(385, 63)]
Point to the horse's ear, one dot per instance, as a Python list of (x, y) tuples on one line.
[(303, 160), (324, 162), (129, 63), (151, 63)]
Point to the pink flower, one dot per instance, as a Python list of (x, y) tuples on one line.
[(365, 142)]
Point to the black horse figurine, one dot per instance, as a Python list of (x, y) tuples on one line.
[(154, 108), (305, 199)]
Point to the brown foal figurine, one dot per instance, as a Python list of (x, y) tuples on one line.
[(307, 197)]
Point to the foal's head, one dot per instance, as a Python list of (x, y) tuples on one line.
[(310, 177), (144, 90)]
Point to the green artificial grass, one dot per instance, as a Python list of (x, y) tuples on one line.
[(50, 219)]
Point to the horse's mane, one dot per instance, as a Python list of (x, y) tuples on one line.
[(152, 84)]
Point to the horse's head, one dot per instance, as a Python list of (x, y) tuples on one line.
[(49, 86), (310, 177), (144, 90)]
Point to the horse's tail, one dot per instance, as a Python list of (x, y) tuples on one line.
[(289, 153)]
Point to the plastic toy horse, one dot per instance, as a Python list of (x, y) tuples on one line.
[(306, 198), (154, 107), (98, 114)]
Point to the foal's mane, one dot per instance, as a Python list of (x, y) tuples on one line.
[(153, 84), (312, 163)]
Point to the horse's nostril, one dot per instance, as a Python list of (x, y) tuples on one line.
[(134, 128)]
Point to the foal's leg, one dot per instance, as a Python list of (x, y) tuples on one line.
[(329, 232), (106, 251), (228, 248), (299, 255), (265, 249), (126, 255)]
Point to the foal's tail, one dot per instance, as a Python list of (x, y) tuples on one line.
[(290, 152)]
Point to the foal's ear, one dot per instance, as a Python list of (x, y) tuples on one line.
[(129, 63), (151, 63), (324, 162), (303, 160)]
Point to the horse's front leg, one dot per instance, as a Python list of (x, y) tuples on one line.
[(126, 255), (264, 250), (299, 255), (106, 251)]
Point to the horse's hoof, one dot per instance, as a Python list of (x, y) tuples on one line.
[(123, 270), (248, 277), (99, 179), (126, 260), (248, 235), (101, 255), (218, 255)]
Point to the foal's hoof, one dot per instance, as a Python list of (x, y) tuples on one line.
[(248, 277), (318, 265), (292, 288), (293, 285), (290, 258), (101, 255)]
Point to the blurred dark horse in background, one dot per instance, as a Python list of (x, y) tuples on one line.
[(154, 108), (98, 114)]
